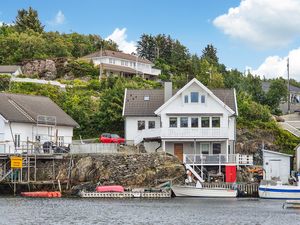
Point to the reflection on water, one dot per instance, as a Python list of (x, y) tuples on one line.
[(140, 211)]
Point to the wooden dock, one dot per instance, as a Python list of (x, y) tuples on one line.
[(245, 189)]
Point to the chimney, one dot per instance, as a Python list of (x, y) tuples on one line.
[(168, 92)]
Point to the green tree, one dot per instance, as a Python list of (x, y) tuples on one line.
[(28, 19), (209, 53), (276, 94)]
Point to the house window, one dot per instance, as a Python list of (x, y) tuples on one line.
[(112, 61), (194, 122), (216, 121), (126, 63), (202, 98), (194, 97), (151, 124), (186, 99), (205, 121), (184, 121), (173, 121), (61, 141), (122, 62), (17, 140), (146, 98), (205, 148), (216, 148), (141, 125)]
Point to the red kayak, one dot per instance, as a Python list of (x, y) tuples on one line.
[(112, 188)]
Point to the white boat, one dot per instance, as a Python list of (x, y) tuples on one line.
[(273, 190), (192, 191)]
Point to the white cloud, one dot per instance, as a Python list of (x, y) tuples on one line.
[(263, 23), (59, 19), (119, 36), (276, 66)]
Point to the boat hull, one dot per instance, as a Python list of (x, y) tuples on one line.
[(279, 192), (187, 191)]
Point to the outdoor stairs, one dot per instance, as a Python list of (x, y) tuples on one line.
[(2, 178), (190, 168), (293, 130)]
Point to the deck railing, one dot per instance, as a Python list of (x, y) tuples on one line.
[(218, 159)]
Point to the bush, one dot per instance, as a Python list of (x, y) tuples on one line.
[(4, 82), (80, 68)]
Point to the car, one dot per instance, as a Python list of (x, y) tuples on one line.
[(111, 138)]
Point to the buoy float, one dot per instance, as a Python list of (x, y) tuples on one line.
[(42, 194)]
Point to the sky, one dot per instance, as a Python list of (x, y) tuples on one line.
[(255, 35)]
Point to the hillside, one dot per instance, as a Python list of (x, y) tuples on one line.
[(97, 105)]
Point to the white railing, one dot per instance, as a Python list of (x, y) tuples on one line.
[(194, 132), (38, 81), (155, 71), (217, 159)]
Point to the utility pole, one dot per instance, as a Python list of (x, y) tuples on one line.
[(288, 84)]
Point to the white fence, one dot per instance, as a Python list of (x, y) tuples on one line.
[(94, 148)]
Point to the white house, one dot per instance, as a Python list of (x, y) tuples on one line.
[(28, 121), (277, 166), (122, 64), (196, 124), (12, 70)]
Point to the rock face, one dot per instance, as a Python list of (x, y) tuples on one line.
[(250, 141), (129, 170), (45, 69)]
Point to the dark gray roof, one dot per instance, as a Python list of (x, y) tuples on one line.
[(266, 86), (116, 54), (135, 105), (26, 109), (9, 69)]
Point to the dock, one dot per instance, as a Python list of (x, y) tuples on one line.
[(126, 194), (291, 204)]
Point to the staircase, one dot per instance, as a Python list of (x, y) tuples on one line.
[(2, 178), (188, 167), (286, 126)]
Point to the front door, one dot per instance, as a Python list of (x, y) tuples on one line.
[(178, 151), (274, 169)]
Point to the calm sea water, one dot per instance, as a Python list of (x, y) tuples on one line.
[(25, 211)]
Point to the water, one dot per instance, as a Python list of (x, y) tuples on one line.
[(194, 211)]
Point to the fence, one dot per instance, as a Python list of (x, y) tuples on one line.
[(94, 148)]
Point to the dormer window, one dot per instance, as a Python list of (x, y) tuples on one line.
[(194, 97), (146, 98)]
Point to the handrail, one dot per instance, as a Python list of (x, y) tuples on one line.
[(217, 159)]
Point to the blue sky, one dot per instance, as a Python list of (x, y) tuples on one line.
[(255, 33)]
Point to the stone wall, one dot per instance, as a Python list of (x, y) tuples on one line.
[(129, 170)]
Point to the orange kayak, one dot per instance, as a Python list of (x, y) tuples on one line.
[(42, 194)]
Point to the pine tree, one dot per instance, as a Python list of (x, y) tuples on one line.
[(28, 19)]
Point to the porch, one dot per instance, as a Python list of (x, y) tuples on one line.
[(219, 159)]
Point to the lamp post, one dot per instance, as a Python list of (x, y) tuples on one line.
[(288, 84)]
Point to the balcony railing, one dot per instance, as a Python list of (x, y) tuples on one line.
[(217, 159), (182, 133)]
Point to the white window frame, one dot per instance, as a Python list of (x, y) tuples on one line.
[(17, 140)]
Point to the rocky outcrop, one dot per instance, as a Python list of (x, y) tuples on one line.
[(129, 170), (48, 69), (249, 141)]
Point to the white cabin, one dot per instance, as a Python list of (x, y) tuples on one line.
[(26, 122)]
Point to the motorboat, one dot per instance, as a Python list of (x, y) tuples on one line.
[(276, 190), (194, 191)]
